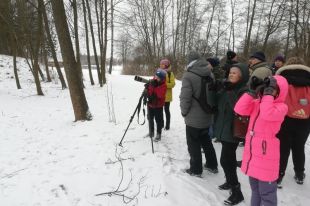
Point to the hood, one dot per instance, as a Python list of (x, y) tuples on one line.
[(283, 87), (244, 72), (295, 74), (199, 66), (293, 67)]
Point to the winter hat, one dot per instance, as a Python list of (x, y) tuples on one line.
[(214, 61), (191, 56), (161, 74), (259, 55), (280, 58), (165, 62), (230, 55)]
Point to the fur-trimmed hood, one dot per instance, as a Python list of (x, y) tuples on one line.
[(295, 74), (293, 67)]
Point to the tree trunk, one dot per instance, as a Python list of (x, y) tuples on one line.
[(52, 47), (78, 99), (14, 48), (87, 45), (36, 51), (247, 41), (104, 52), (112, 37), (93, 40), (77, 43), (48, 76)]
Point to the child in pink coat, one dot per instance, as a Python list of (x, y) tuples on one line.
[(265, 105)]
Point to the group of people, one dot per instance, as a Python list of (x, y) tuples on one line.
[(274, 98)]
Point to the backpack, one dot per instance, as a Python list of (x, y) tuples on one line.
[(298, 102), (206, 97)]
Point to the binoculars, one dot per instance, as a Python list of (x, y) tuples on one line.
[(260, 82)]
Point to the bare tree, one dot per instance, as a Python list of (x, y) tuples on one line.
[(274, 19), (249, 31), (52, 46), (76, 37), (78, 99), (37, 49), (112, 37), (93, 41), (87, 44)]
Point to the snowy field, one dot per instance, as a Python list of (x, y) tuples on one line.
[(47, 159)]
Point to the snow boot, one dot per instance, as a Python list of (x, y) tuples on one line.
[(158, 137), (188, 171), (299, 178), (236, 196), (212, 170), (225, 186)]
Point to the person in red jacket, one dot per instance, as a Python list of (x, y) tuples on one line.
[(156, 92)]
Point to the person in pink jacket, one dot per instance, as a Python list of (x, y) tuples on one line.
[(264, 103)]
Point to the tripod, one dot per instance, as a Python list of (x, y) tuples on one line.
[(143, 98)]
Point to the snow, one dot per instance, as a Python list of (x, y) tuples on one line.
[(47, 159)]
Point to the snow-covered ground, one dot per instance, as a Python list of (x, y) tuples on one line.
[(46, 159)]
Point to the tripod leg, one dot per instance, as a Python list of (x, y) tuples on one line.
[(131, 118)]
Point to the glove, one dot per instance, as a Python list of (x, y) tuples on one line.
[(271, 86), (255, 86), (255, 82)]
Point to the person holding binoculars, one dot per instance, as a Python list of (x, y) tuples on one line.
[(265, 104), (155, 90)]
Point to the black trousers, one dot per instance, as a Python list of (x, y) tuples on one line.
[(197, 139), (157, 114), (167, 113), (229, 162), (293, 136)]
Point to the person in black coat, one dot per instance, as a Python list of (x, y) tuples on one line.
[(295, 129), (228, 95)]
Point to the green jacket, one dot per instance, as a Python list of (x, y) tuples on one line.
[(226, 100)]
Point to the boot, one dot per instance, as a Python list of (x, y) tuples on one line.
[(225, 186), (167, 125), (299, 178), (236, 196), (158, 137), (151, 134)]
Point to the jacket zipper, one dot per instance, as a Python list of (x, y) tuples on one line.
[(252, 135)]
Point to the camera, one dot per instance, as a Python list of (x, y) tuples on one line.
[(147, 82), (141, 79)]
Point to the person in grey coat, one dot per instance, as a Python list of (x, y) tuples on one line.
[(196, 120)]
